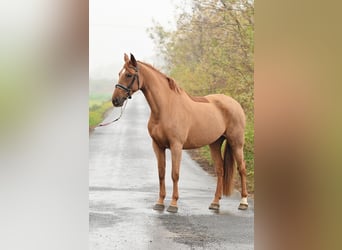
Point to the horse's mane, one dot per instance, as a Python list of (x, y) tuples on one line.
[(174, 86), (172, 83)]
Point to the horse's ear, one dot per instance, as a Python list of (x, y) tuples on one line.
[(133, 61), (126, 57)]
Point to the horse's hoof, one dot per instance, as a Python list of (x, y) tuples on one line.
[(243, 206), (172, 209), (159, 207), (214, 206)]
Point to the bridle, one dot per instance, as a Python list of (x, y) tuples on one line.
[(128, 89)]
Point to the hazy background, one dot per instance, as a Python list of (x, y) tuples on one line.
[(118, 27)]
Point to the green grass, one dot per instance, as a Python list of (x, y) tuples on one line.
[(98, 105), (98, 98)]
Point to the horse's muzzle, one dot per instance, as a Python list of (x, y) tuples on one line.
[(118, 101)]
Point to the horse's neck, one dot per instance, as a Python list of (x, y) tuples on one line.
[(157, 91)]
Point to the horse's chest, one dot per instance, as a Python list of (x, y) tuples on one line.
[(158, 135)]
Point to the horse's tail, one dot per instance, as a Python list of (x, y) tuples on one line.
[(228, 170)]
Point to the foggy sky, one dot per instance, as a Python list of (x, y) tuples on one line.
[(118, 27)]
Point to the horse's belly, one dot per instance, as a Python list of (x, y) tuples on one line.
[(203, 135), (192, 143)]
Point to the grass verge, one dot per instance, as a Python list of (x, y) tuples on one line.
[(97, 112)]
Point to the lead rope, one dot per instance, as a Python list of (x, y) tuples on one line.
[(123, 107)]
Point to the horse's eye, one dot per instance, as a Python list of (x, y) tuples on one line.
[(128, 75)]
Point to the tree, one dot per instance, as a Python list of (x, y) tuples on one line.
[(211, 51)]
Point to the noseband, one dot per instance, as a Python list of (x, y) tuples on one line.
[(128, 89)]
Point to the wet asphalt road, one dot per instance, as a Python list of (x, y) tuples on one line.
[(123, 187)]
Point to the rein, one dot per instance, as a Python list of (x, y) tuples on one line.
[(115, 120)]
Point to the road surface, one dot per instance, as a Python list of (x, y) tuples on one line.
[(123, 187)]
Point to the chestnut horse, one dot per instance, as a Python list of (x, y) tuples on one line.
[(179, 121)]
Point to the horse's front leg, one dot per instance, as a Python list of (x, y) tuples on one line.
[(176, 156), (160, 154)]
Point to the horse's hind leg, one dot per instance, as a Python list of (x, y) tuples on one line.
[(241, 166), (215, 151)]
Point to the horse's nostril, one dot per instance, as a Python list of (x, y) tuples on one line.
[(117, 102)]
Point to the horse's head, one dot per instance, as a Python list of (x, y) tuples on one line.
[(128, 81)]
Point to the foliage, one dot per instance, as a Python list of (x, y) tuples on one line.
[(211, 51), (96, 113), (249, 154)]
